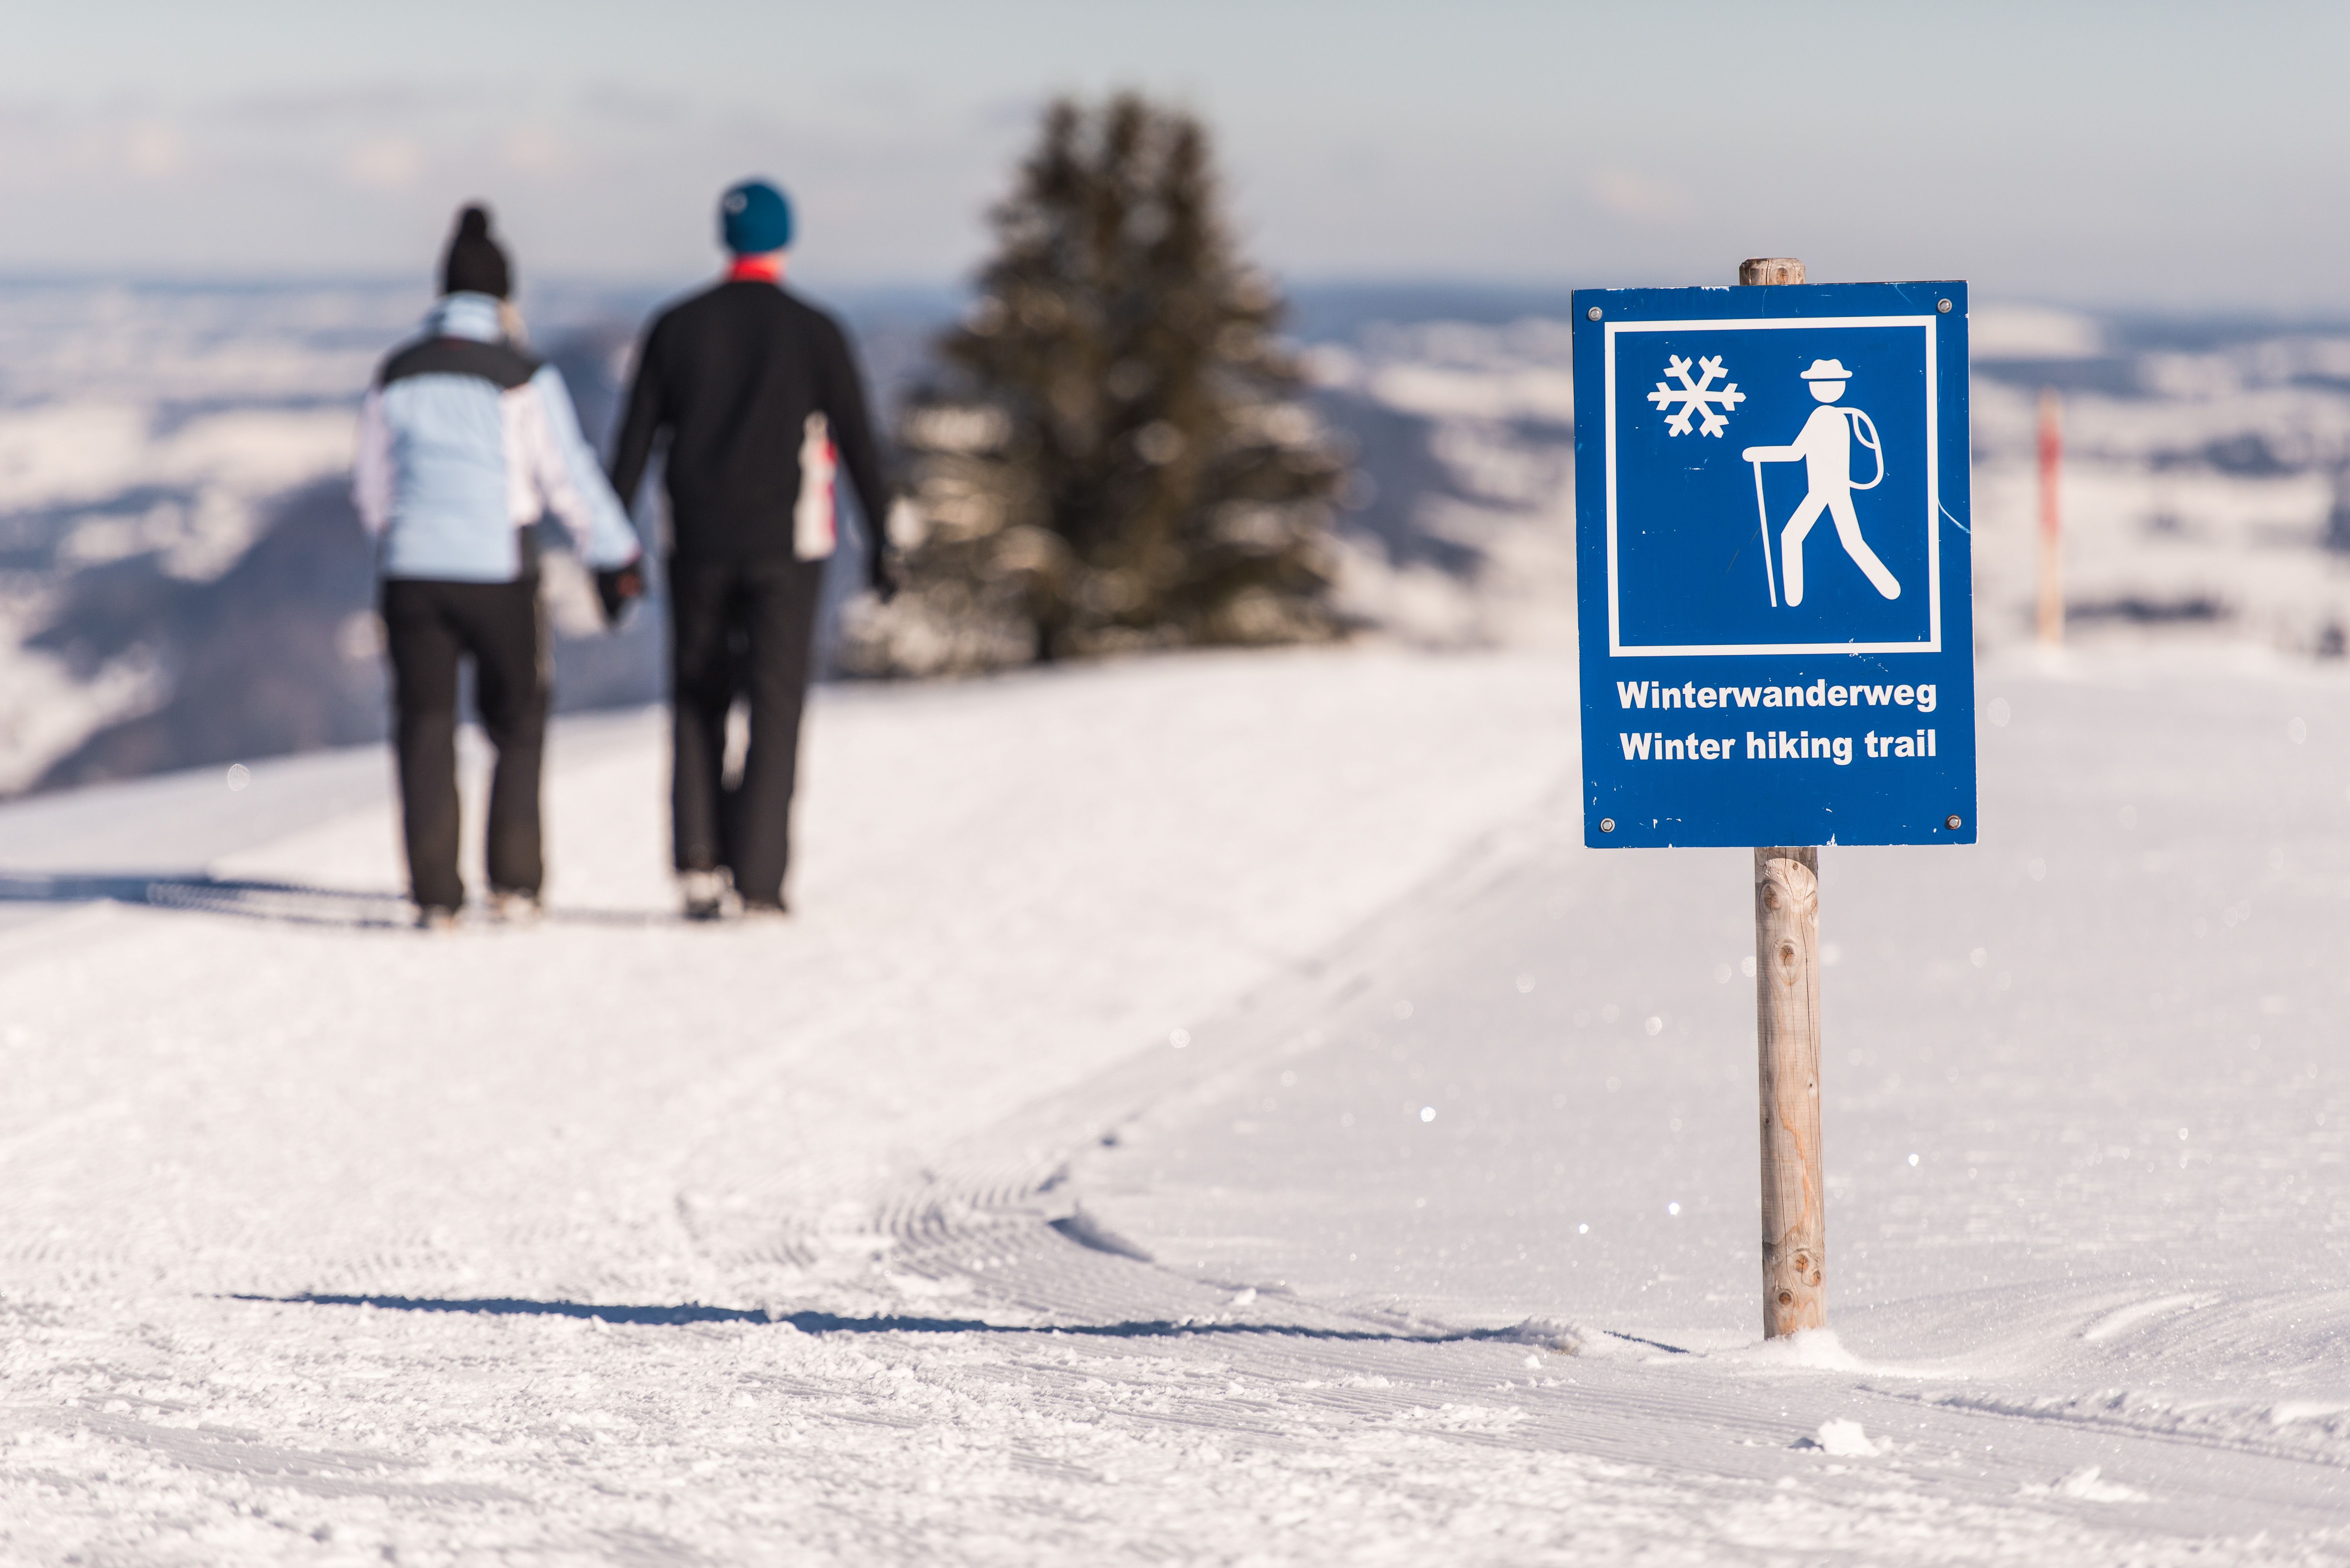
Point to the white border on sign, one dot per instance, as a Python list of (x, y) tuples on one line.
[(1933, 643)]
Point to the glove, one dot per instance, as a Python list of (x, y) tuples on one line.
[(884, 574), (616, 586)]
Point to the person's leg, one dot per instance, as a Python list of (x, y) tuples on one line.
[(425, 649), (1790, 546), (783, 604), (701, 688), (1847, 527), (505, 634), (739, 605)]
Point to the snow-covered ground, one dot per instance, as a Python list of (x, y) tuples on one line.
[(1204, 1109)]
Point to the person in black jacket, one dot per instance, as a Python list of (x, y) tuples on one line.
[(759, 398)]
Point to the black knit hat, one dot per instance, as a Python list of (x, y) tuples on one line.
[(475, 264)]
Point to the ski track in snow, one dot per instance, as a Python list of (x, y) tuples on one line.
[(905, 1231)]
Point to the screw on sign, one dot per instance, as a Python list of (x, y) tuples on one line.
[(1705, 602)]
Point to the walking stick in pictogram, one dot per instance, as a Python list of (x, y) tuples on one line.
[(1762, 515)]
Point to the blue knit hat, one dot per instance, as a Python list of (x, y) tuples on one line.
[(755, 218)]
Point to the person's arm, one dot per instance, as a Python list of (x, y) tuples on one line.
[(371, 468), (565, 470), (642, 424), (842, 390), (1772, 453)]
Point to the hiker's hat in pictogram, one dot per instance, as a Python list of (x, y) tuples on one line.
[(1827, 370)]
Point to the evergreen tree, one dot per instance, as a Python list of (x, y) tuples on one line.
[(1114, 456)]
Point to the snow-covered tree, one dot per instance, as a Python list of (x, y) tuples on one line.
[(1114, 454)]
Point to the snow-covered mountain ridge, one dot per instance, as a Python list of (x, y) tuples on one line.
[(2206, 494), (180, 580)]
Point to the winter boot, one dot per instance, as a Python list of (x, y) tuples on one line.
[(705, 894), (509, 907)]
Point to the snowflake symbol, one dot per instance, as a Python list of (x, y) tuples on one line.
[(1694, 397)]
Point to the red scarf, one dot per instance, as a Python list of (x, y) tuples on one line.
[(756, 269)]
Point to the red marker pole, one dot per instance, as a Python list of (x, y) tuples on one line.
[(2052, 555)]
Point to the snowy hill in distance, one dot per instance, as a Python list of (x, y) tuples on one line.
[(182, 581), (180, 576), (2207, 487)]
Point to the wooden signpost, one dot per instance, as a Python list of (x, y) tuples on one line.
[(1787, 1046), (1787, 1040), (1711, 593)]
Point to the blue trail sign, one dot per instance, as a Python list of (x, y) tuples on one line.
[(1776, 599)]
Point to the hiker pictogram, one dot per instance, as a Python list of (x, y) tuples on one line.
[(1825, 447)]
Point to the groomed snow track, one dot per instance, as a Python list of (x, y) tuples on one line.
[(1205, 1110)]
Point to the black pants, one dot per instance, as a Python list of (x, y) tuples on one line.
[(739, 629), (432, 626)]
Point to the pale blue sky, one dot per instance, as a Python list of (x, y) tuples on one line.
[(2147, 154)]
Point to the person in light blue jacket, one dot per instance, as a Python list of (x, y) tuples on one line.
[(465, 442)]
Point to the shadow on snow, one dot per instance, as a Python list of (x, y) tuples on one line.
[(831, 1322), (295, 903)]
